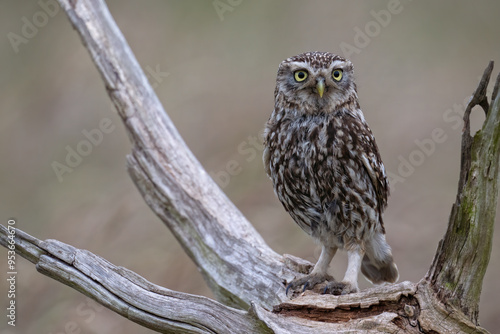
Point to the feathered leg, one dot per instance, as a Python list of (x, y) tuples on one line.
[(319, 273), (350, 282)]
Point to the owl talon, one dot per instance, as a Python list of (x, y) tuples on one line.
[(340, 288), (308, 282)]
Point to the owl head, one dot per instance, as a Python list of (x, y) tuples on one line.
[(315, 82)]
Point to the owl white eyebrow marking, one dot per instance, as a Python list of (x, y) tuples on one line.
[(338, 63), (299, 64)]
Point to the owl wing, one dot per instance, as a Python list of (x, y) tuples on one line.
[(359, 174), (267, 136), (369, 156), (376, 171), (266, 156), (359, 162)]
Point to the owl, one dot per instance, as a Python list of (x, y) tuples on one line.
[(326, 169)]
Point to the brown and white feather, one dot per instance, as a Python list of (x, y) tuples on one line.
[(322, 157)]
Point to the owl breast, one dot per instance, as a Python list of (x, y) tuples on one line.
[(319, 176)]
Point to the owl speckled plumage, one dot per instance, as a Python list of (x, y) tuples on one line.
[(326, 169)]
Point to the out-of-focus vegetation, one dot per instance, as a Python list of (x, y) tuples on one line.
[(215, 73)]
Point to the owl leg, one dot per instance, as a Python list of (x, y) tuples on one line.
[(350, 282), (326, 256), (318, 274)]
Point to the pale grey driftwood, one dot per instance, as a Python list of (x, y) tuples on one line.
[(236, 263), (405, 306), (233, 258), (130, 295)]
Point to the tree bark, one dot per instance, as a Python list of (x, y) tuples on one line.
[(245, 274), (212, 231)]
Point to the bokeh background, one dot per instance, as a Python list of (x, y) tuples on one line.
[(215, 73)]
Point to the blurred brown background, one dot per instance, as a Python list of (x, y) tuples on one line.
[(215, 74)]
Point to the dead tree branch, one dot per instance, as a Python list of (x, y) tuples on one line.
[(128, 294), (209, 227), (236, 263), (460, 263), (405, 306)]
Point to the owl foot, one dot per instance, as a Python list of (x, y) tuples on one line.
[(340, 288), (309, 282)]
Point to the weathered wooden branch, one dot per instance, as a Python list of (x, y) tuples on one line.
[(405, 306), (460, 263), (128, 294), (239, 267), (209, 227)]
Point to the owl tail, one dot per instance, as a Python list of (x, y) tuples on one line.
[(378, 265)]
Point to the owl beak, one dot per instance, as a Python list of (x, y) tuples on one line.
[(320, 87)]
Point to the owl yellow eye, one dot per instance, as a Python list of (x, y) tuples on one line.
[(337, 75), (300, 75)]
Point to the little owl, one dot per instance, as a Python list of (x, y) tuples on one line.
[(326, 169)]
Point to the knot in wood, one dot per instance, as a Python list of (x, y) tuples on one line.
[(409, 310)]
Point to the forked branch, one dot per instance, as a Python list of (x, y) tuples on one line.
[(460, 263), (212, 231), (238, 266)]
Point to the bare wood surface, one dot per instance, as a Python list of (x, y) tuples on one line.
[(209, 227), (128, 294), (238, 266), (400, 307)]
